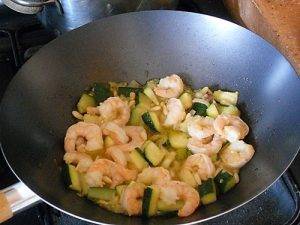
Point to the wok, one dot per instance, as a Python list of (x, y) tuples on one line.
[(205, 51)]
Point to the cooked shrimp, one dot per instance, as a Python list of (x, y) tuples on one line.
[(92, 110), (207, 147), (138, 136), (169, 87), (115, 110), (119, 153), (90, 132), (82, 160), (102, 168), (200, 127), (200, 165), (183, 192), (237, 154), (232, 128), (176, 112), (116, 132), (154, 175), (131, 198)]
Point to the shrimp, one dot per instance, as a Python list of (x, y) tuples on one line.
[(92, 111), (169, 87), (176, 112), (180, 191), (115, 174), (82, 160), (118, 155), (200, 165), (207, 147), (138, 136), (200, 127), (232, 128), (116, 132), (90, 132), (131, 198), (154, 175), (115, 110), (237, 154)]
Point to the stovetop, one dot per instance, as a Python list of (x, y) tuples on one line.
[(22, 35)]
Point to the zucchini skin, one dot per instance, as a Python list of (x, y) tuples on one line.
[(199, 108), (101, 92), (146, 202), (150, 199), (151, 120), (125, 91), (207, 191), (224, 181)]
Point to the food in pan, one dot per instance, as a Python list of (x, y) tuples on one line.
[(156, 148)]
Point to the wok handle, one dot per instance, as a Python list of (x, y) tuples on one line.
[(14, 199)]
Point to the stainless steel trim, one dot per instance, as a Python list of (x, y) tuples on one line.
[(20, 197)]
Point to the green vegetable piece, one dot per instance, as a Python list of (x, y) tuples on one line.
[(152, 121), (207, 191), (101, 92), (199, 108), (102, 193), (125, 91), (85, 101), (150, 199), (225, 181)]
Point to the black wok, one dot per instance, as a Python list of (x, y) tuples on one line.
[(36, 108)]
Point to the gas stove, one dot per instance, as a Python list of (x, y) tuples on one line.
[(22, 35)]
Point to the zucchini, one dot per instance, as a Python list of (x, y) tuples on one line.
[(182, 153), (108, 142), (137, 158), (143, 100), (91, 119), (83, 184), (168, 159), (224, 181), (229, 110), (161, 140), (186, 100), (152, 83), (150, 199), (150, 94), (214, 157), (153, 153), (164, 207), (134, 84), (178, 139), (200, 108), (125, 91), (71, 177), (120, 189), (226, 97), (152, 121), (85, 101), (187, 177), (101, 193), (136, 115), (207, 191), (212, 111), (96, 153), (101, 92)]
